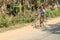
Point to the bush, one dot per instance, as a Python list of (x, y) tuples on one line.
[(6, 20), (26, 17), (52, 13), (3, 21)]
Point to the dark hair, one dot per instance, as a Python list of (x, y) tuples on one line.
[(41, 6)]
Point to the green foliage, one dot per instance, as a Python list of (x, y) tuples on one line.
[(25, 17), (3, 21), (16, 7), (6, 20), (38, 1), (52, 13)]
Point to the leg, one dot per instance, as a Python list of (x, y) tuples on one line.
[(42, 21)]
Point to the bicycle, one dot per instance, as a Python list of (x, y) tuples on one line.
[(43, 20), (37, 17), (39, 20)]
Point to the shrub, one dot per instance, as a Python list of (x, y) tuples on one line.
[(52, 13)]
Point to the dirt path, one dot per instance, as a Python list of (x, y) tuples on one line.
[(28, 33)]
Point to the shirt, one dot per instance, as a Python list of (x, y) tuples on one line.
[(41, 11)]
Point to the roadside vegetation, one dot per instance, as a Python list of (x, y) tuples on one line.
[(19, 12)]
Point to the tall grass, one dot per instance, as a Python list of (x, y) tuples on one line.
[(26, 17), (6, 20), (53, 13)]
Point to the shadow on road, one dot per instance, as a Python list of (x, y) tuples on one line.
[(54, 28)]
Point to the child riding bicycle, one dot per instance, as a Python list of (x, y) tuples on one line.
[(42, 15)]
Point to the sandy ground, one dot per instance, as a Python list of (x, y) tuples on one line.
[(30, 33)]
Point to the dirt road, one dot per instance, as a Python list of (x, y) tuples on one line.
[(52, 32)]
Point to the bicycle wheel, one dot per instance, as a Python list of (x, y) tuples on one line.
[(36, 22)]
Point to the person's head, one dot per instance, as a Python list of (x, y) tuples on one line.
[(41, 6)]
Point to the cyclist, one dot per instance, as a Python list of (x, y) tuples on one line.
[(42, 15)]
